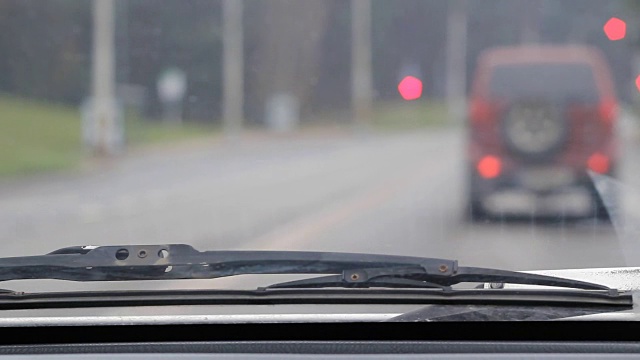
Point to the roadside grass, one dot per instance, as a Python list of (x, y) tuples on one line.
[(390, 116), (144, 131), (40, 137), (36, 136), (410, 115)]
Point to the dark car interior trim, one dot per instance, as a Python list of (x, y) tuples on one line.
[(518, 339)]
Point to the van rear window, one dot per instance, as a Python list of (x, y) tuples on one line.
[(558, 82)]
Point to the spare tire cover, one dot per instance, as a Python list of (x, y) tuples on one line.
[(534, 129)]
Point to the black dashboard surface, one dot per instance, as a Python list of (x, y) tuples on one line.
[(448, 340)]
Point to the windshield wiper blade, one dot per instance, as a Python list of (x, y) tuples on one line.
[(167, 262), (413, 277), (364, 278)]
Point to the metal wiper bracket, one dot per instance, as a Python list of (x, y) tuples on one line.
[(165, 262)]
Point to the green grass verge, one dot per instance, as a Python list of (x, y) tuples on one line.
[(410, 115), (390, 116), (144, 131), (38, 137)]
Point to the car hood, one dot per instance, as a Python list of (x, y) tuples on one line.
[(621, 278)]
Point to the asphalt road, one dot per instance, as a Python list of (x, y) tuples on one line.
[(394, 194)]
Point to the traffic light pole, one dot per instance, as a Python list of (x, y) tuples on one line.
[(456, 55), (232, 67), (361, 83), (103, 76)]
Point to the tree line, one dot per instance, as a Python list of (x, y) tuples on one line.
[(296, 46)]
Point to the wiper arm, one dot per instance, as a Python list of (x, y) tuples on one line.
[(166, 262)]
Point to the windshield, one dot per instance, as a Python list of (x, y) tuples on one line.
[(359, 126)]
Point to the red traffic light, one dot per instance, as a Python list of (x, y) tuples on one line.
[(615, 29), (410, 88)]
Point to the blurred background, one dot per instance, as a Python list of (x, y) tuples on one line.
[(293, 48), (277, 124)]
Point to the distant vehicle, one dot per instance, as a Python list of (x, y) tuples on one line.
[(540, 117)]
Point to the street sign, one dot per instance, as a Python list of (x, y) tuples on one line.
[(172, 86), (282, 113)]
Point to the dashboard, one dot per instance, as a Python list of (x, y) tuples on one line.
[(365, 340)]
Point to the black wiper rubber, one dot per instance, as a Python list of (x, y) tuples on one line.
[(384, 277), (166, 262)]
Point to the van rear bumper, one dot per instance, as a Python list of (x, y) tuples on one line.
[(514, 194)]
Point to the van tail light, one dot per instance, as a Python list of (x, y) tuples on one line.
[(489, 167), (608, 111), (599, 163), (482, 111)]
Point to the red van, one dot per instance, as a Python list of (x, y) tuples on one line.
[(540, 117)]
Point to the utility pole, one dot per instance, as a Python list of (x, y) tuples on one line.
[(361, 83), (123, 66), (232, 67), (456, 59), (103, 77)]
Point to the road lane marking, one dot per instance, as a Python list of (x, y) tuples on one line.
[(299, 233)]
